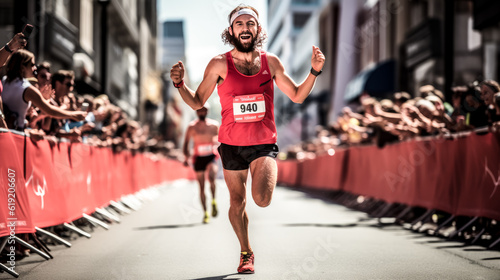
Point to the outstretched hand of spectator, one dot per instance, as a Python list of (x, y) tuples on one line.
[(78, 115), (17, 42), (47, 91)]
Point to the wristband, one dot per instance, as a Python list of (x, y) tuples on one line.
[(179, 84), (316, 73), (6, 47)]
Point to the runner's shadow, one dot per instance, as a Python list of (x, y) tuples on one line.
[(221, 277), (320, 225), (168, 226)]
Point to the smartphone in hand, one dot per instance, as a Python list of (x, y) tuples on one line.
[(28, 28)]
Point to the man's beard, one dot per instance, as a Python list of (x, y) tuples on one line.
[(202, 118), (248, 47)]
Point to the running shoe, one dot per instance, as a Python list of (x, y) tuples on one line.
[(214, 208), (206, 218), (246, 263)]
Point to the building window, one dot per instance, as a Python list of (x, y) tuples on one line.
[(86, 25), (300, 19), (173, 29), (62, 9), (6, 13)]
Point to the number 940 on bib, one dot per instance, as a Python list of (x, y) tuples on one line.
[(249, 108)]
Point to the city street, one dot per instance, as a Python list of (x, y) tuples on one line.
[(297, 237)]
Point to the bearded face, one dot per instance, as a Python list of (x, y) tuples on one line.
[(245, 33), (245, 41)]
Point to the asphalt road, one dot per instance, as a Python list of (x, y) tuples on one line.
[(297, 237)]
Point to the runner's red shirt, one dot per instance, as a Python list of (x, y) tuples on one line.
[(247, 106)]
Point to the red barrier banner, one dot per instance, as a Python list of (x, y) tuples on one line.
[(15, 213), (323, 172), (288, 172), (460, 176), (46, 189), (480, 191), (65, 180)]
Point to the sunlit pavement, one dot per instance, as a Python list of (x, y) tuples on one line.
[(297, 237)]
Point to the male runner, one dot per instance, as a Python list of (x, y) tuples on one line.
[(244, 79), (203, 132)]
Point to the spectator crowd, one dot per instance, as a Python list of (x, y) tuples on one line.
[(404, 117), (44, 105)]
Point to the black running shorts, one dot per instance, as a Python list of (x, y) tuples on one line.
[(240, 157), (201, 163)]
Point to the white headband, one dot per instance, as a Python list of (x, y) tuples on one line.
[(243, 12)]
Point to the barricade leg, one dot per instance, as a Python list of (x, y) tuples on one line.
[(442, 225), (8, 270), (494, 243), (468, 224), (40, 245), (105, 213), (53, 236), (29, 246), (383, 210), (95, 221), (402, 214), (119, 207), (77, 230), (483, 230), (416, 224), (3, 242), (131, 202)]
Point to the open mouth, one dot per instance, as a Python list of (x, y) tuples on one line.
[(245, 37)]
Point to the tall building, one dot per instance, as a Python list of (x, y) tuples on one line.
[(173, 44), (110, 44), (293, 29), (173, 48)]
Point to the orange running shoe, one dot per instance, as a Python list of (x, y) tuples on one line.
[(246, 263)]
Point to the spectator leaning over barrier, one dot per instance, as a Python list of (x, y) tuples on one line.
[(488, 90), (496, 98), (475, 108), (62, 82), (43, 74), (16, 43), (442, 118), (19, 94), (400, 98)]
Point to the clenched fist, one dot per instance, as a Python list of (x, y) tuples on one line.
[(317, 59), (177, 72)]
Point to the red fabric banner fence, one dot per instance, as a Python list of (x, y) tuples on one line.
[(15, 213), (65, 180), (460, 176)]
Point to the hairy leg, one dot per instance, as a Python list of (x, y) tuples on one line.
[(264, 172), (236, 183)]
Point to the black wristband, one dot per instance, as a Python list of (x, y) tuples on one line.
[(316, 73), (6, 47)]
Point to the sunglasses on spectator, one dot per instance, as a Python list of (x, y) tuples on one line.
[(69, 84), (43, 76)]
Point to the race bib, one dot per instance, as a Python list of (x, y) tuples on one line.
[(249, 108), (205, 150)]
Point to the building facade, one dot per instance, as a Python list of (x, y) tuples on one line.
[(110, 44)]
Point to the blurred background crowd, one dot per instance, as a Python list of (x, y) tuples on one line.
[(380, 122)]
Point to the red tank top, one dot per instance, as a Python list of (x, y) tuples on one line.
[(247, 106)]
